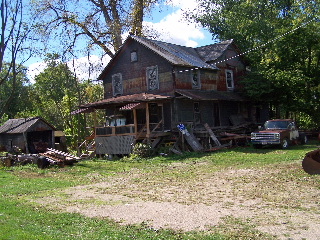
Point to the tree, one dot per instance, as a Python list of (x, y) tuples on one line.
[(281, 42), (100, 23), (15, 88), (13, 51), (57, 92)]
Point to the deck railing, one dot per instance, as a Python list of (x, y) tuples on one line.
[(115, 130)]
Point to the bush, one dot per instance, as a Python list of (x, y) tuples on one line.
[(143, 150)]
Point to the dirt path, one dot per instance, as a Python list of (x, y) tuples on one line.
[(275, 203)]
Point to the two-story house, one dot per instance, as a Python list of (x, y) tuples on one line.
[(151, 86)]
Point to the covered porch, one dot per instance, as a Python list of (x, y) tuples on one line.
[(128, 119)]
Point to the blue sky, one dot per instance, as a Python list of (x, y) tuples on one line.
[(166, 19)]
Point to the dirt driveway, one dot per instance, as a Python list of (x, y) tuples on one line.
[(281, 202)]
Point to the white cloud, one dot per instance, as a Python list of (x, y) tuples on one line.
[(84, 68), (34, 69), (88, 68), (183, 4), (174, 28)]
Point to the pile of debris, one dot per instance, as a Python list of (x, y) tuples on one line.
[(43, 160)]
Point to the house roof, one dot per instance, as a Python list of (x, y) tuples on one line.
[(175, 54), (210, 95), (21, 125), (134, 98), (212, 52), (200, 57)]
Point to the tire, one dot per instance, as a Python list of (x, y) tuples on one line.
[(257, 146), (284, 143), (43, 162)]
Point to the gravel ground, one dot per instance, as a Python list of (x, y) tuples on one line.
[(281, 202)]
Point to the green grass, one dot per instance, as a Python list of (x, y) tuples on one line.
[(22, 219)]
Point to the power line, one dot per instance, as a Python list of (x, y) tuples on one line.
[(262, 45)]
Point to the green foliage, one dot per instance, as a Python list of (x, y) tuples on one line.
[(143, 150), (57, 92), (14, 91)]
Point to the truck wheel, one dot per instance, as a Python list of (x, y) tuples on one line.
[(257, 146), (284, 143)]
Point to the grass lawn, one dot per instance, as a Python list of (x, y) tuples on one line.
[(21, 218)]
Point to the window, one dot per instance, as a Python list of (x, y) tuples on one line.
[(134, 56), (117, 84), (152, 78), (229, 79), (196, 107), (195, 79)]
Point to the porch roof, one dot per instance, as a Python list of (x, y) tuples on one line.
[(134, 98), (211, 95)]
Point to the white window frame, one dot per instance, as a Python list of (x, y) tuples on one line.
[(134, 56)]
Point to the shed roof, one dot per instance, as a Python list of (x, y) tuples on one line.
[(21, 125)]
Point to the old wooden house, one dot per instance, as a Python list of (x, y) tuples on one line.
[(150, 87), (31, 135)]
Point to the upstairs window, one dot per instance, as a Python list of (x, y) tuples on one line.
[(134, 56), (117, 84), (152, 78), (229, 79), (195, 79)]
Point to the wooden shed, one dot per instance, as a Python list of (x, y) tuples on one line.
[(31, 135)]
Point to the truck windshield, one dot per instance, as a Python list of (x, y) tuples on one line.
[(276, 124)]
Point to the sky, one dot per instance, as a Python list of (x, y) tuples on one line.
[(167, 19)]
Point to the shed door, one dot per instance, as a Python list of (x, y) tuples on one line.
[(39, 141)]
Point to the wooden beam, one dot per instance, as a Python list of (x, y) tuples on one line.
[(148, 121), (135, 121)]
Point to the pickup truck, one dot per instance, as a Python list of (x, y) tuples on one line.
[(280, 132)]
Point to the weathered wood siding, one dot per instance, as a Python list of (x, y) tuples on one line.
[(208, 79), (10, 140), (235, 64), (185, 112), (134, 73)]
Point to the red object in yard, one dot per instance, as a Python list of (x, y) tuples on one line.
[(311, 162)]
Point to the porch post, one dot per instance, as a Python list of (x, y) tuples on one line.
[(148, 122), (135, 121), (94, 121)]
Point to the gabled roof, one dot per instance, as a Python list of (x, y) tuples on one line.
[(175, 54), (21, 125), (212, 52), (200, 57)]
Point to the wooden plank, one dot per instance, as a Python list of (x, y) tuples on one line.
[(191, 139), (213, 137), (156, 142)]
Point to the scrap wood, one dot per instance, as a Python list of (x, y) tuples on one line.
[(227, 145), (214, 138), (58, 157)]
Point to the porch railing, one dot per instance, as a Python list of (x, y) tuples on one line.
[(115, 130)]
